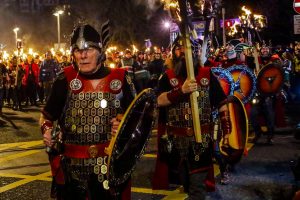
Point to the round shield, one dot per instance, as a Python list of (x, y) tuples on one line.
[(270, 79), (130, 141), (239, 131), (244, 82), (225, 79)]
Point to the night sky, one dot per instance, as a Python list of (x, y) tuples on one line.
[(131, 23)]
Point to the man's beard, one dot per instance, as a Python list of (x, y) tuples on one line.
[(180, 67), (265, 58)]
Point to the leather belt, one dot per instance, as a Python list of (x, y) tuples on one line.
[(188, 131), (80, 151)]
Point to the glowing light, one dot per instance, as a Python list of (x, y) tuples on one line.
[(112, 65), (5, 55), (16, 30), (253, 21), (173, 7), (134, 49), (59, 12), (24, 56), (247, 11), (167, 24), (68, 52), (30, 51), (233, 29), (52, 51)]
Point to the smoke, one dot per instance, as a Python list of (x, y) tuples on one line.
[(151, 5)]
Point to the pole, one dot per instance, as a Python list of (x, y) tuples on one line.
[(223, 23), (170, 34), (16, 38), (190, 71), (57, 13), (58, 31)]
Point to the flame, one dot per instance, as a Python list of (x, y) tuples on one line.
[(112, 65), (134, 49), (30, 51), (233, 29), (173, 7), (247, 11), (5, 55)]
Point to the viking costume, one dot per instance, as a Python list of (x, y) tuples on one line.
[(84, 111), (268, 105), (194, 159)]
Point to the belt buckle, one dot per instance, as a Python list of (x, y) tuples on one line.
[(93, 151), (189, 131)]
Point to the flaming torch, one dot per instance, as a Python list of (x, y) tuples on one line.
[(252, 23)]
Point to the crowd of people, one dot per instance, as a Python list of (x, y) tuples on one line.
[(27, 81), (65, 84)]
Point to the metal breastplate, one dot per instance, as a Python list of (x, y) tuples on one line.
[(87, 117), (180, 114)]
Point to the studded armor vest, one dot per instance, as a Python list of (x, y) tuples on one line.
[(180, 115), (89, 111), (87, 119), (180, 123)]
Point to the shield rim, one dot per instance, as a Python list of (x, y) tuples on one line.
[(236, 99), (228, 75), (114, 140)]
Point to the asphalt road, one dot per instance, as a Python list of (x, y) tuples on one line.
[(265, 173)]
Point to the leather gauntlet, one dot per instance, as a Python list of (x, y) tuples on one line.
[(175, 95), (47, 124)]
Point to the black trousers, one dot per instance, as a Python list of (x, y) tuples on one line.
[(90, 189)]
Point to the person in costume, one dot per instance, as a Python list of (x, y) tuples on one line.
[(230, 57), (30, 80), (194, 159), (269, 107), (85, 100)]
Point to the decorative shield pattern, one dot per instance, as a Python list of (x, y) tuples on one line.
[(128, 145), (244, 82), (270, 79), (239, 131), (225, 79)]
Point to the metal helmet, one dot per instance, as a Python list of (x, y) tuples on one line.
[(85, 36), (196, 45)]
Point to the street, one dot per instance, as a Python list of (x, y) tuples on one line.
[(265, 173)]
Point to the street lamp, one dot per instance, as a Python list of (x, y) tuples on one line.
[(57, 14), (167, 26), (16, 33)]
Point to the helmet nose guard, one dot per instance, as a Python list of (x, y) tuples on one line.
[(85, 36)]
